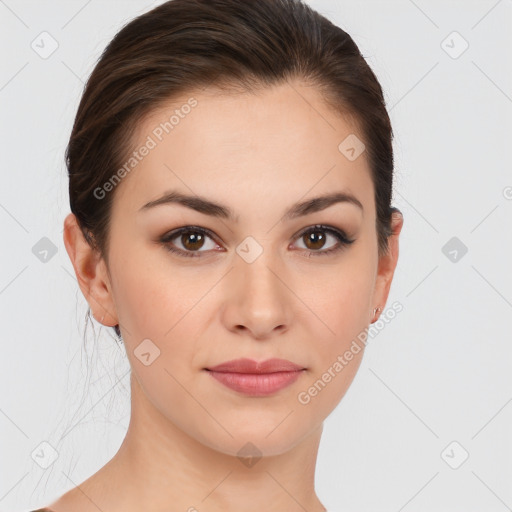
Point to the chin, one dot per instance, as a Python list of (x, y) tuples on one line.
[(265, 437)]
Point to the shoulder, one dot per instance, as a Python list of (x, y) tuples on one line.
[(43, 510)]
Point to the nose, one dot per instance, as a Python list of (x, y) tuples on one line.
[(257, 300)]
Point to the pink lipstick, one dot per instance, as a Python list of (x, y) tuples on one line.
[(256, 378)]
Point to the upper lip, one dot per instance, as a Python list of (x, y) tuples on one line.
[(251, 366)]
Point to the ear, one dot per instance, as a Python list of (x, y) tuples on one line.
[(91, 273), (387, 265)]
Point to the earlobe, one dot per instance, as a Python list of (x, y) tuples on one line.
[(91, 273)]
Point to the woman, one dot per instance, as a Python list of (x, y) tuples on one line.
[(231, 172)]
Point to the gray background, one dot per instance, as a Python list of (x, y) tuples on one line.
[(438, 373)]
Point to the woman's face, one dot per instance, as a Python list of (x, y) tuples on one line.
[(260, 282)]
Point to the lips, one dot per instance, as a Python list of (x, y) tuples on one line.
[(251, 366), (255, 378)]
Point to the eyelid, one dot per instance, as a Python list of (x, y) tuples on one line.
[(170, 235), (324, 227)]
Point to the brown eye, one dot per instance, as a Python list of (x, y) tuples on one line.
[(188, 241), (192, 241), (316, 239)]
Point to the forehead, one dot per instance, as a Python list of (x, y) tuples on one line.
[(281, 141)]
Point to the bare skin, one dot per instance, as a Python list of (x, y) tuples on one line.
[(258, 155)]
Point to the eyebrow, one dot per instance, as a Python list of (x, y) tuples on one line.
[(208, 207)]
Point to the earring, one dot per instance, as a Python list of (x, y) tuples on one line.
[(375, 311)]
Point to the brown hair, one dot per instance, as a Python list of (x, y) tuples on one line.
[(183, 45)]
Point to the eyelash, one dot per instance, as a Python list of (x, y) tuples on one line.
[(343, 240)]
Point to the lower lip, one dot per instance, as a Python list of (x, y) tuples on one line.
[(261, 384)]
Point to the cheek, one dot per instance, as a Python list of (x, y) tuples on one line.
[(320, 396), (342, 307), (340, 294), (150, 295), (162, 304)]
